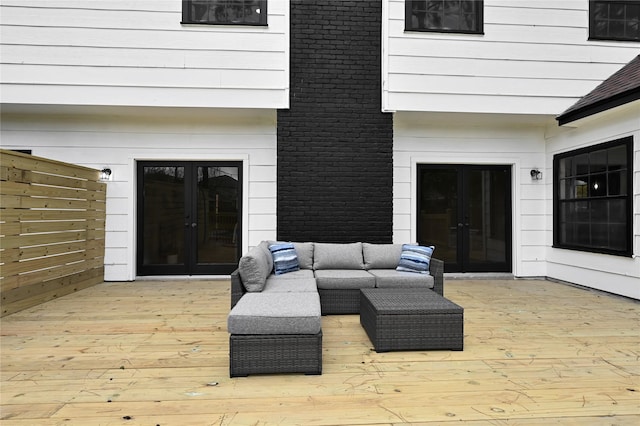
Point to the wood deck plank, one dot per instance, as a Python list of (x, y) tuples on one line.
[(146, 353)]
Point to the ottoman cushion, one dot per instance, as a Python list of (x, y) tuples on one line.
[(276, 313)]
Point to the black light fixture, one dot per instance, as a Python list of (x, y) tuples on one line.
[(536, 174), (105, 174)]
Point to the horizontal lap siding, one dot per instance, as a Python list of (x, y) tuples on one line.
[(138, 53), (533, 58), (615, 274), (422, 138), (117, 140)]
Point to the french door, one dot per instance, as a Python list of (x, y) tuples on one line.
[(465, 211), (189, 217)]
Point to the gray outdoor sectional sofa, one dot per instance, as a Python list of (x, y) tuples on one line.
[(275, 318)]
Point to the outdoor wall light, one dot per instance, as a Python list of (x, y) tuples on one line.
[(105, 174), (536, 174)]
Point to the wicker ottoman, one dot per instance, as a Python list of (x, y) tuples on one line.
[(275, 333), (410, 319)]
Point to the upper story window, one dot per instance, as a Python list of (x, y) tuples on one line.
[(451, 16), (614, 20), (224, 12), (593, 198)]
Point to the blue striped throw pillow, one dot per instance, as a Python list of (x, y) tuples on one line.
[(285, 258), (415, 258)]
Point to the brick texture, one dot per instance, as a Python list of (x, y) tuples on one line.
[(335, 153)]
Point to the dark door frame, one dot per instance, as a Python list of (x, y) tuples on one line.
[(190, 266), (463, 262)]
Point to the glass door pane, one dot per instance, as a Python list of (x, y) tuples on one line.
[(488, 213), (217, 212), (189, 217), (465, 212), (438, 212), (163, 215)]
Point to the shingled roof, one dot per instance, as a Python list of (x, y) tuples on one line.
[(621, 88)]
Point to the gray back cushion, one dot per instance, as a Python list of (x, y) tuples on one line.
[(305, 255), (255, 266), (381, 256), (337, 256)]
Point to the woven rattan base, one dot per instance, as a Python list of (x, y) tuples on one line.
[(339, 302), (405, 319), (280, 353)]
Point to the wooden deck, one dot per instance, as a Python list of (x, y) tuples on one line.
[(151, 353)]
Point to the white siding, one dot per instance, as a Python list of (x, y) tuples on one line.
[(533, 58), (119, 139), (136, 53), (615, 274), (423, 138)]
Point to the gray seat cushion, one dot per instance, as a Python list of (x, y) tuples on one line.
[(390, 278), (295, 275), (276, 313), (337, 256), (381, 256), (344, 279), (290, 286)]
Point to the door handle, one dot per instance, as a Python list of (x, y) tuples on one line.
[(193, 225)]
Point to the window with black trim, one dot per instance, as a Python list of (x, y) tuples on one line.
[(593, 198), (454, 16), (224, 12), (614, 20)]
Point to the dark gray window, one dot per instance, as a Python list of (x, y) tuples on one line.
[(224, 12), (614, 20), (593, 198), (456, 16)]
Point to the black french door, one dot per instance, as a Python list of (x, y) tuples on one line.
[(465, 211), (189, 217)]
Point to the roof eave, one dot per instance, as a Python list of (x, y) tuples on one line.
[(598, 107)]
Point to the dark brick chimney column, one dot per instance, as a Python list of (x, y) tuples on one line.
[(335, 146)]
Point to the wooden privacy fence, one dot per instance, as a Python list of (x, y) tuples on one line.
[(52, 228)]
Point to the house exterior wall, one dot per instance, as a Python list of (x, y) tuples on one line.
[(441, 138), (113, 82), (533, 58), (615, 274), (137, 53), (118, 139)]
